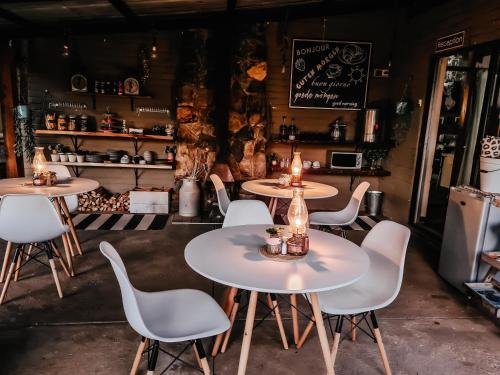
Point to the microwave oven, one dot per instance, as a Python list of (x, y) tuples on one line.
[(346, 160)]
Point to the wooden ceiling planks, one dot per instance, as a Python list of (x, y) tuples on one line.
[(167, 7), (53, 11)]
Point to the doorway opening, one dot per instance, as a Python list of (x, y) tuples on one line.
[(463, 107)]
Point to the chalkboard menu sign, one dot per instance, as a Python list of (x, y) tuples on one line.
[(328, 74)]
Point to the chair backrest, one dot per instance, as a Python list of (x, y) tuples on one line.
[(62, 173), (222, 197), (29, 218), (352, 209), (389, 240), (247, 212), (61, 170), (129, 298)]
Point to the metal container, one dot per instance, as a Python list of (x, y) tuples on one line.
[(374, 201), (371, 125)]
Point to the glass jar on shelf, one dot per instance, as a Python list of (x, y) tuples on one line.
[(61, 122)]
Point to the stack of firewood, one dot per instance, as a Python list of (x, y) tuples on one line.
[(102, 200)]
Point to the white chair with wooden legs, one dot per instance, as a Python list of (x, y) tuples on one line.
[(68, 204), (386, 245), (246, 212), (167, 316), (346, 216), (26, 220), (222, 197)]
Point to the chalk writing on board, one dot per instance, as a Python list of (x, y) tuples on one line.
[(329, 74)]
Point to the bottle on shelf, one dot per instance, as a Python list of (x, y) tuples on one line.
[(283, 129), (292, 130), (97, 85), (124, 127), (120, 88)]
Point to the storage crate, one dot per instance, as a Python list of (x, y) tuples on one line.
[(150, 202)]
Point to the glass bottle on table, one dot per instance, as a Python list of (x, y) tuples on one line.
[(298, 219), (296, 169)]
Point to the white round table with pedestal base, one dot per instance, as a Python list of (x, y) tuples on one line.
[(67, 187), (270, 188), (231, 256)]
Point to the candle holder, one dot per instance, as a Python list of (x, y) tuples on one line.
[(298, 245), (39, 179), (296, 169)]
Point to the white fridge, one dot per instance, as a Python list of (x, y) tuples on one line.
[(472, 226)]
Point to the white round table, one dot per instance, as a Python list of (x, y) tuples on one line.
[(231, 257), (24, 185), (269, 188), (67, 187)]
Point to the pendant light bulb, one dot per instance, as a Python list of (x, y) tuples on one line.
[(65, 51)]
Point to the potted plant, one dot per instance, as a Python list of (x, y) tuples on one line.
[(375, 157), (190, 193), (55, 151)]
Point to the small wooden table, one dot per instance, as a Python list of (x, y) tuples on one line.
[(269, 188), (230, 256), (67, 187)]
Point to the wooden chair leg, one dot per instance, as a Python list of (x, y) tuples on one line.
[(60, 258), (202, 356), (232, 318), (67, 243), (228, 303), (67, 252), (277, 314), (28, 252), (197, 356), (323, 339), (72, 229), (295, 318), (353, 328), (381, 348), (17, 254), (336, 338), (18, 265), (6, 257), (306, 333), (153, 358), (138, 356), (247, 335), (54, 271)]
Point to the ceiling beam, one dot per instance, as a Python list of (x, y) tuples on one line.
[(14, 18), (123, 8), (208, 20)]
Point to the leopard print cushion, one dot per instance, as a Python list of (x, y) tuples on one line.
[(490, 147)]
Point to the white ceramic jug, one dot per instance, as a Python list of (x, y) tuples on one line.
[(189, 198)]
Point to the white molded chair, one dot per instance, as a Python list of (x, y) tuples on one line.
[(62, 173), (346, 216), (166, 316), (246, 212), (30, 219), (386, 245), (222, 197)]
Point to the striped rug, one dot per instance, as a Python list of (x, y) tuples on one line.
[(120, 221)]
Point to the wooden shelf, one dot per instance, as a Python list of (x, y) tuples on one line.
[(151, 137), (114, 165), (347, 172), (111, 95), (318, 142)]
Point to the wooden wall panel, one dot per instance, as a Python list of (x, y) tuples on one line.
[(107, 57)]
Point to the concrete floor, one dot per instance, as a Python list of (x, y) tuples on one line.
[(428, 330)]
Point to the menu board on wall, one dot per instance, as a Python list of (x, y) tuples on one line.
[(328, 74)]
